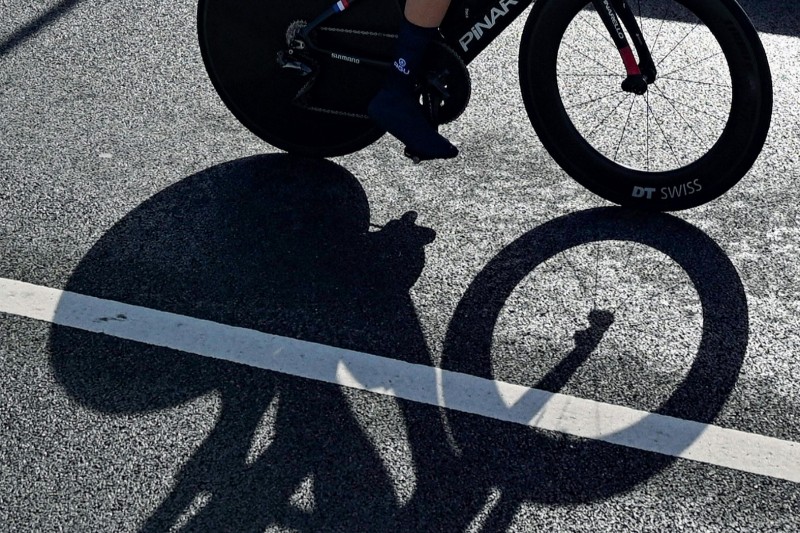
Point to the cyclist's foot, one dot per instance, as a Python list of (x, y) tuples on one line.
[(396, 107), (396, 110)]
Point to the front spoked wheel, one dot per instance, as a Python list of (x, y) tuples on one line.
[(687, 139)]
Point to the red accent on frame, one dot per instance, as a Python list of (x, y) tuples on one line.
[(629, 60)]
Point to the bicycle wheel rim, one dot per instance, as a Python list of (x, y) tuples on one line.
[(715, 161)]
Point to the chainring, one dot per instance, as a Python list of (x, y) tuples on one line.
[(444, 64)]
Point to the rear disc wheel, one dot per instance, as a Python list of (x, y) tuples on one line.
[(240, 49)]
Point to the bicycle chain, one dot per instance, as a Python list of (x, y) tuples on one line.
[(361, 32), (305, 88)]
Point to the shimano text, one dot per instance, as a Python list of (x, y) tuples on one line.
[(349, 59)]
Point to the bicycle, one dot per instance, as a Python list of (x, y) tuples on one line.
[(670, 122)]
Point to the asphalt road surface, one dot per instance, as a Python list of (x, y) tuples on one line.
[(200, 333)]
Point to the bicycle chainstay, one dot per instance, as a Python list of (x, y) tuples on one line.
[(300, 97), (301, 101)]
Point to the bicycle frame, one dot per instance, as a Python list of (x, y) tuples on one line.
[(471, 25), (691, 138), (469, 30)]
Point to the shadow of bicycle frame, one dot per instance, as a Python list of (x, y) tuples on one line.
[(258, 243)]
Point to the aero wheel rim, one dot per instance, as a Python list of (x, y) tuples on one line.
[(681, 116)]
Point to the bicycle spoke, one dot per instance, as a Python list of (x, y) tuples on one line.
[(677, 111), (624, 128), (712, 128), (696, 82), (603, 120), (651, 269), (603, 34), (578, 278), (592, 59), (664, 135), (724, 119), (623, 304), (589, 75), (684, 67), (593, 100), (667, 290), (678, 43), (643, 333), (654, 46)]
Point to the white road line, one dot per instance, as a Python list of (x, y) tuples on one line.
[(461, 392)]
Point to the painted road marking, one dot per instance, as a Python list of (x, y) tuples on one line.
[(686, 439)]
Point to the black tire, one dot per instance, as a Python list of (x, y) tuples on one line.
[(240, 42), (694, 134)]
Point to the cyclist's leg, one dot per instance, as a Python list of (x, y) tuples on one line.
[(426, 13), (396, 108)]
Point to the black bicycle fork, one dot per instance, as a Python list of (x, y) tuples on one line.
[(640, 74)]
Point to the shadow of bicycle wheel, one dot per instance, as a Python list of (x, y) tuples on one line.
[(270, 243), (535, 465)]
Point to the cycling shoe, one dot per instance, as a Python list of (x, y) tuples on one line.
[(397, 111)]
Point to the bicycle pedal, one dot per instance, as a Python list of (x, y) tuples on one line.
[(415, 158)]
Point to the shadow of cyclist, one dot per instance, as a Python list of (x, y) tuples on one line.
[(275, 244), (282, 245)]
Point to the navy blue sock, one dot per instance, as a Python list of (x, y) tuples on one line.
[(396, 107), (412, 43)]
